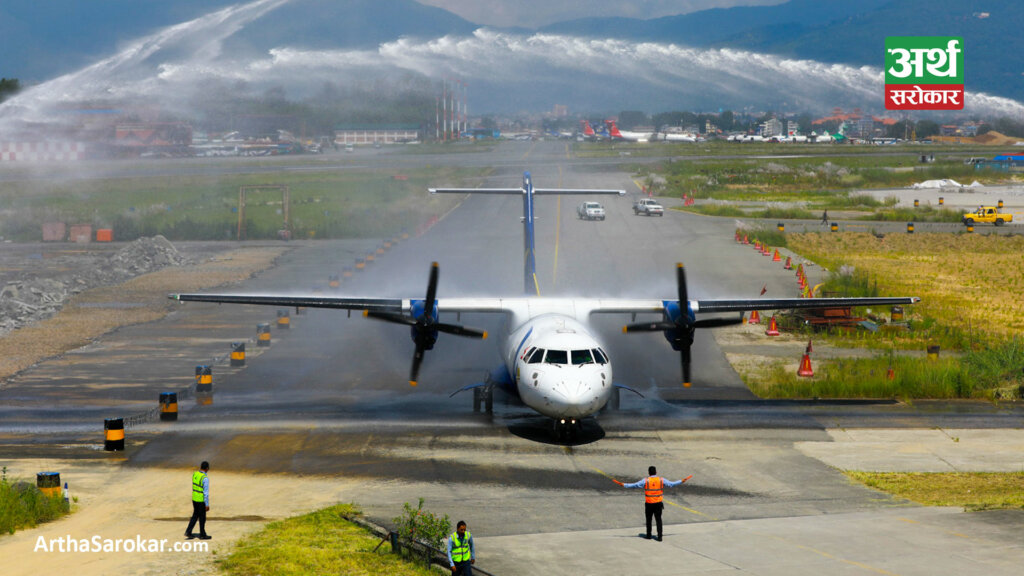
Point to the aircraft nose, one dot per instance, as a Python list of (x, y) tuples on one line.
[(576, 397)]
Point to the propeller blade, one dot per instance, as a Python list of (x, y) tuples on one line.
[(684, 302), (717, 322), (431, 289), (417, 359), (390, 317), (648, 327), (684, 355), (459, 330)]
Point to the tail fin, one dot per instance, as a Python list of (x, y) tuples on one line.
[(531, 287), (588, 131), (613, 129)]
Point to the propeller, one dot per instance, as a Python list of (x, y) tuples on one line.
[(424, 324), (679, 326)]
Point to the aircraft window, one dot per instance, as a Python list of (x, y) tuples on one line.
[(582, 357), (536, 357), (599, 356), (557, 357)]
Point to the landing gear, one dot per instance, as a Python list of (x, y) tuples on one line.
[(567, 428), (614, 401), (483, 395)]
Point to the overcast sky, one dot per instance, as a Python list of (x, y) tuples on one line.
[(534, 13)]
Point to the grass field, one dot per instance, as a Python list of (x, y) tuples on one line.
[(323, 204), (22, 505), (969, 490), (321, 542)]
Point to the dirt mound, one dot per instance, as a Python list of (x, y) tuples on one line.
[(33, 298), (994, 138)]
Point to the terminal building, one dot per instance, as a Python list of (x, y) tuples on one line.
[(376, 134)]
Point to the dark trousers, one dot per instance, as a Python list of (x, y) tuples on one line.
[(463, 569), (199, 513), (655, 511)]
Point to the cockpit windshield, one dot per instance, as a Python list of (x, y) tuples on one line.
[(557, 357), (536, 356), (582, 357)]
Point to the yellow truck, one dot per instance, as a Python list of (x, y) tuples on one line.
[(987, 214)]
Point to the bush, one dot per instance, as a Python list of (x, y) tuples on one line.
[(418, 525)]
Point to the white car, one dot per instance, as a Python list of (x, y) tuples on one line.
[(590, 211)]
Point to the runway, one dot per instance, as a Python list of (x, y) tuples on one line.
[(330, 399)]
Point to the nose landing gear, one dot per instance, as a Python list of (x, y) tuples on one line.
[(567, 428)]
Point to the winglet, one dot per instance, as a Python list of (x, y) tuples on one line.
[(412, 382)]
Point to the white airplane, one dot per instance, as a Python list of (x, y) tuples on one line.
[(552, 359), (676, 137), (617, 134)]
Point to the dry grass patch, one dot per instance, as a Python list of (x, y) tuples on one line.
[(970, 490), (970, 281)]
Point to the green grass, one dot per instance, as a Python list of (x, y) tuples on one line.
[(324, 204), (22, 505), (321, 542), (991, 372), (970, 490)]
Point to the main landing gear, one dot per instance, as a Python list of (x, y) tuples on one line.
[(483, 395)]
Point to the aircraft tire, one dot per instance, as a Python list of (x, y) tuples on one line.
[(476, 400)]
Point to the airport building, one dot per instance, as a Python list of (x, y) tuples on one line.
[(376, 134)]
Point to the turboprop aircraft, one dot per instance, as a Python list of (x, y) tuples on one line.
[(627, 135), (552, 359)]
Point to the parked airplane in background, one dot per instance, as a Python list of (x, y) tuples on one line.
[(617, 134), (552, 359), (588, 130), (675, 137)]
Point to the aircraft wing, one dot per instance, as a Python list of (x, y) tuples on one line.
[(742, 305), (639, 306), (388, 305)]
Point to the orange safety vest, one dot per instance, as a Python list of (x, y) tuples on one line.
[(652, 489)]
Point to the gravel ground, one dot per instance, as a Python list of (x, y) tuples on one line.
[(57, 298)]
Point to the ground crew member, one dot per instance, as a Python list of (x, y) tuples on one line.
[(200, 501), (653, 504), (461, 553)]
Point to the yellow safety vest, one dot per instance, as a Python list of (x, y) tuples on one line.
[(460, 550), (197, 486), (652, 490)]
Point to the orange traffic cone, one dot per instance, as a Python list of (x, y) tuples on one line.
[(890, 374), (755, 318), (746, 239), (789, 264), (773, 328), (809, 348), (777, 257), (805, 369)]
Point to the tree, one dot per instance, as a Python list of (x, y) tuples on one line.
[(926, 128), (629, 119), (9, 87), (726, 121)]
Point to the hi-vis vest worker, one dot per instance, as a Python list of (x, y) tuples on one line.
[(653, 486), (460, 547), (197, 486), (652, 489), (461, 555)]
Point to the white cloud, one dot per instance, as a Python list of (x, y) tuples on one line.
[(535, 13)]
